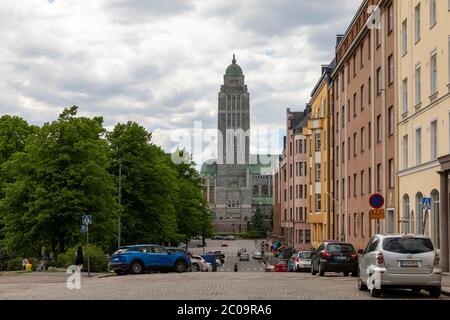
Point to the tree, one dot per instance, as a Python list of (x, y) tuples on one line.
[(257, 224), (60, 176), (148, 186)]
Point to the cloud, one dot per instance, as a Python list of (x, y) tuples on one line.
[(161, 62)]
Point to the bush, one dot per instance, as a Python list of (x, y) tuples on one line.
[(14, 264), (251, 235), (98, 259)]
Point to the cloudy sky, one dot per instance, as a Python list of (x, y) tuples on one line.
[(161, 62)]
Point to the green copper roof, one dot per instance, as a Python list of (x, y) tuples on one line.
[(208, 169), (263, 164), (262, 200), (233, 69)]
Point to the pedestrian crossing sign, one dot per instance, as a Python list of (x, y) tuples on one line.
[(426, 203), (86, 220)]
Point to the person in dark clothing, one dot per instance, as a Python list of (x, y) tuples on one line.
[(79, 260)]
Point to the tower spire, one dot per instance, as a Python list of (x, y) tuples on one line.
[(234, 59)]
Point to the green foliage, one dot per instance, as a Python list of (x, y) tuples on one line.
[(257, 224), (52, 175), (14, 264), (98, 258)]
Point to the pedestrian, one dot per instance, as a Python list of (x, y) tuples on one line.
[(79, 258), (24, 264)]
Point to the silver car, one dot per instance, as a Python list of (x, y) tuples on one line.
[(400, 261)]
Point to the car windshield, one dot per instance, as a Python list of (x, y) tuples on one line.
[(340, 247), (408, 245), (304, 255)]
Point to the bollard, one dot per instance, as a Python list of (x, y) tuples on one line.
[(235, 267)]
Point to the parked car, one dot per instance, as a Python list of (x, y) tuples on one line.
[(257, 255), (200, 264), (201, 244), (300, 261), (217, 238), (244, 257), (218, 254), (241, 251), (269, 268), (335, 257), (139, 258), (281, 265), (229, 237), (400, 261)]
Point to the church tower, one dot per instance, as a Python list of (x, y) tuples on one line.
[(234, 118)]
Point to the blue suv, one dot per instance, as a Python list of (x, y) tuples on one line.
[(139, 258)]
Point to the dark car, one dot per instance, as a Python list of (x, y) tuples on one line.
[(219, 255), (217, 238), (335, 257)]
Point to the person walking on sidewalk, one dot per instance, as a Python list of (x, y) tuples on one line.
[(79, 258)]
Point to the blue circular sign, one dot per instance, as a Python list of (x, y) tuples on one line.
[(376, 201)]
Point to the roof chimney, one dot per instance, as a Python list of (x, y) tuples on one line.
[(339, 38)]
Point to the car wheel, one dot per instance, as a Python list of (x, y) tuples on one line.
[(361, 286), (136, 267), (180, 266), (121, 272), (435, 292), (346, 274), (195, 267), (376, 293), (355, 274), (321, 270)]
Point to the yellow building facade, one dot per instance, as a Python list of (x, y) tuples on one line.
[(423, 100), (319, 174)]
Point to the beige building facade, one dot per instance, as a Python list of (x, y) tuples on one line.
[(423, 86)]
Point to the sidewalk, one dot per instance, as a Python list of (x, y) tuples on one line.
[(445, 290)]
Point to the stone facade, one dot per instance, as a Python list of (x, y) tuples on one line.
[(237, 183)]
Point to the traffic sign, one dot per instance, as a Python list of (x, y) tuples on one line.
[(86, 220), (376, 201), (426, 203), (83, 228), (377, 214)]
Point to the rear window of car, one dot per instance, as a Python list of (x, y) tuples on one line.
[(340, 247), (408, 245), (304, 255)]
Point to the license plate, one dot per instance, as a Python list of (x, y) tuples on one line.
[(409, 264), (341, 258)]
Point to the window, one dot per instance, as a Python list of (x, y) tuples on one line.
[(362, 97), (405, 219), (391, 125), (355, 185), (290, 192), (379, 81), (418, 146), (343, 188), (355, 224), (417, 23), (369, 47), (348, 110), (391, 173), (355, 149), (348, 148), (433, 13), (343, 152), (337, 189), (362, 182), (354, 104), (379, 186), (337, 155), (379, 128), (370, 135), (318, 202), (433, 70), (307, 236), (290, 170), (418, 84), (378, 37), (337, 121), (448, 54), (342, 81), (369, 91), (318, 144), (391, 69), (354, 65), (317, 173), (363, 230), (361, 55), (405, 95), (343, 116), (370, 180), (405, 151), (405, 37), (433, 142), (390, 18), (362, 139), (349, 193)]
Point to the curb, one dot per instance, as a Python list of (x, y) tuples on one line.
[(445, 292)]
